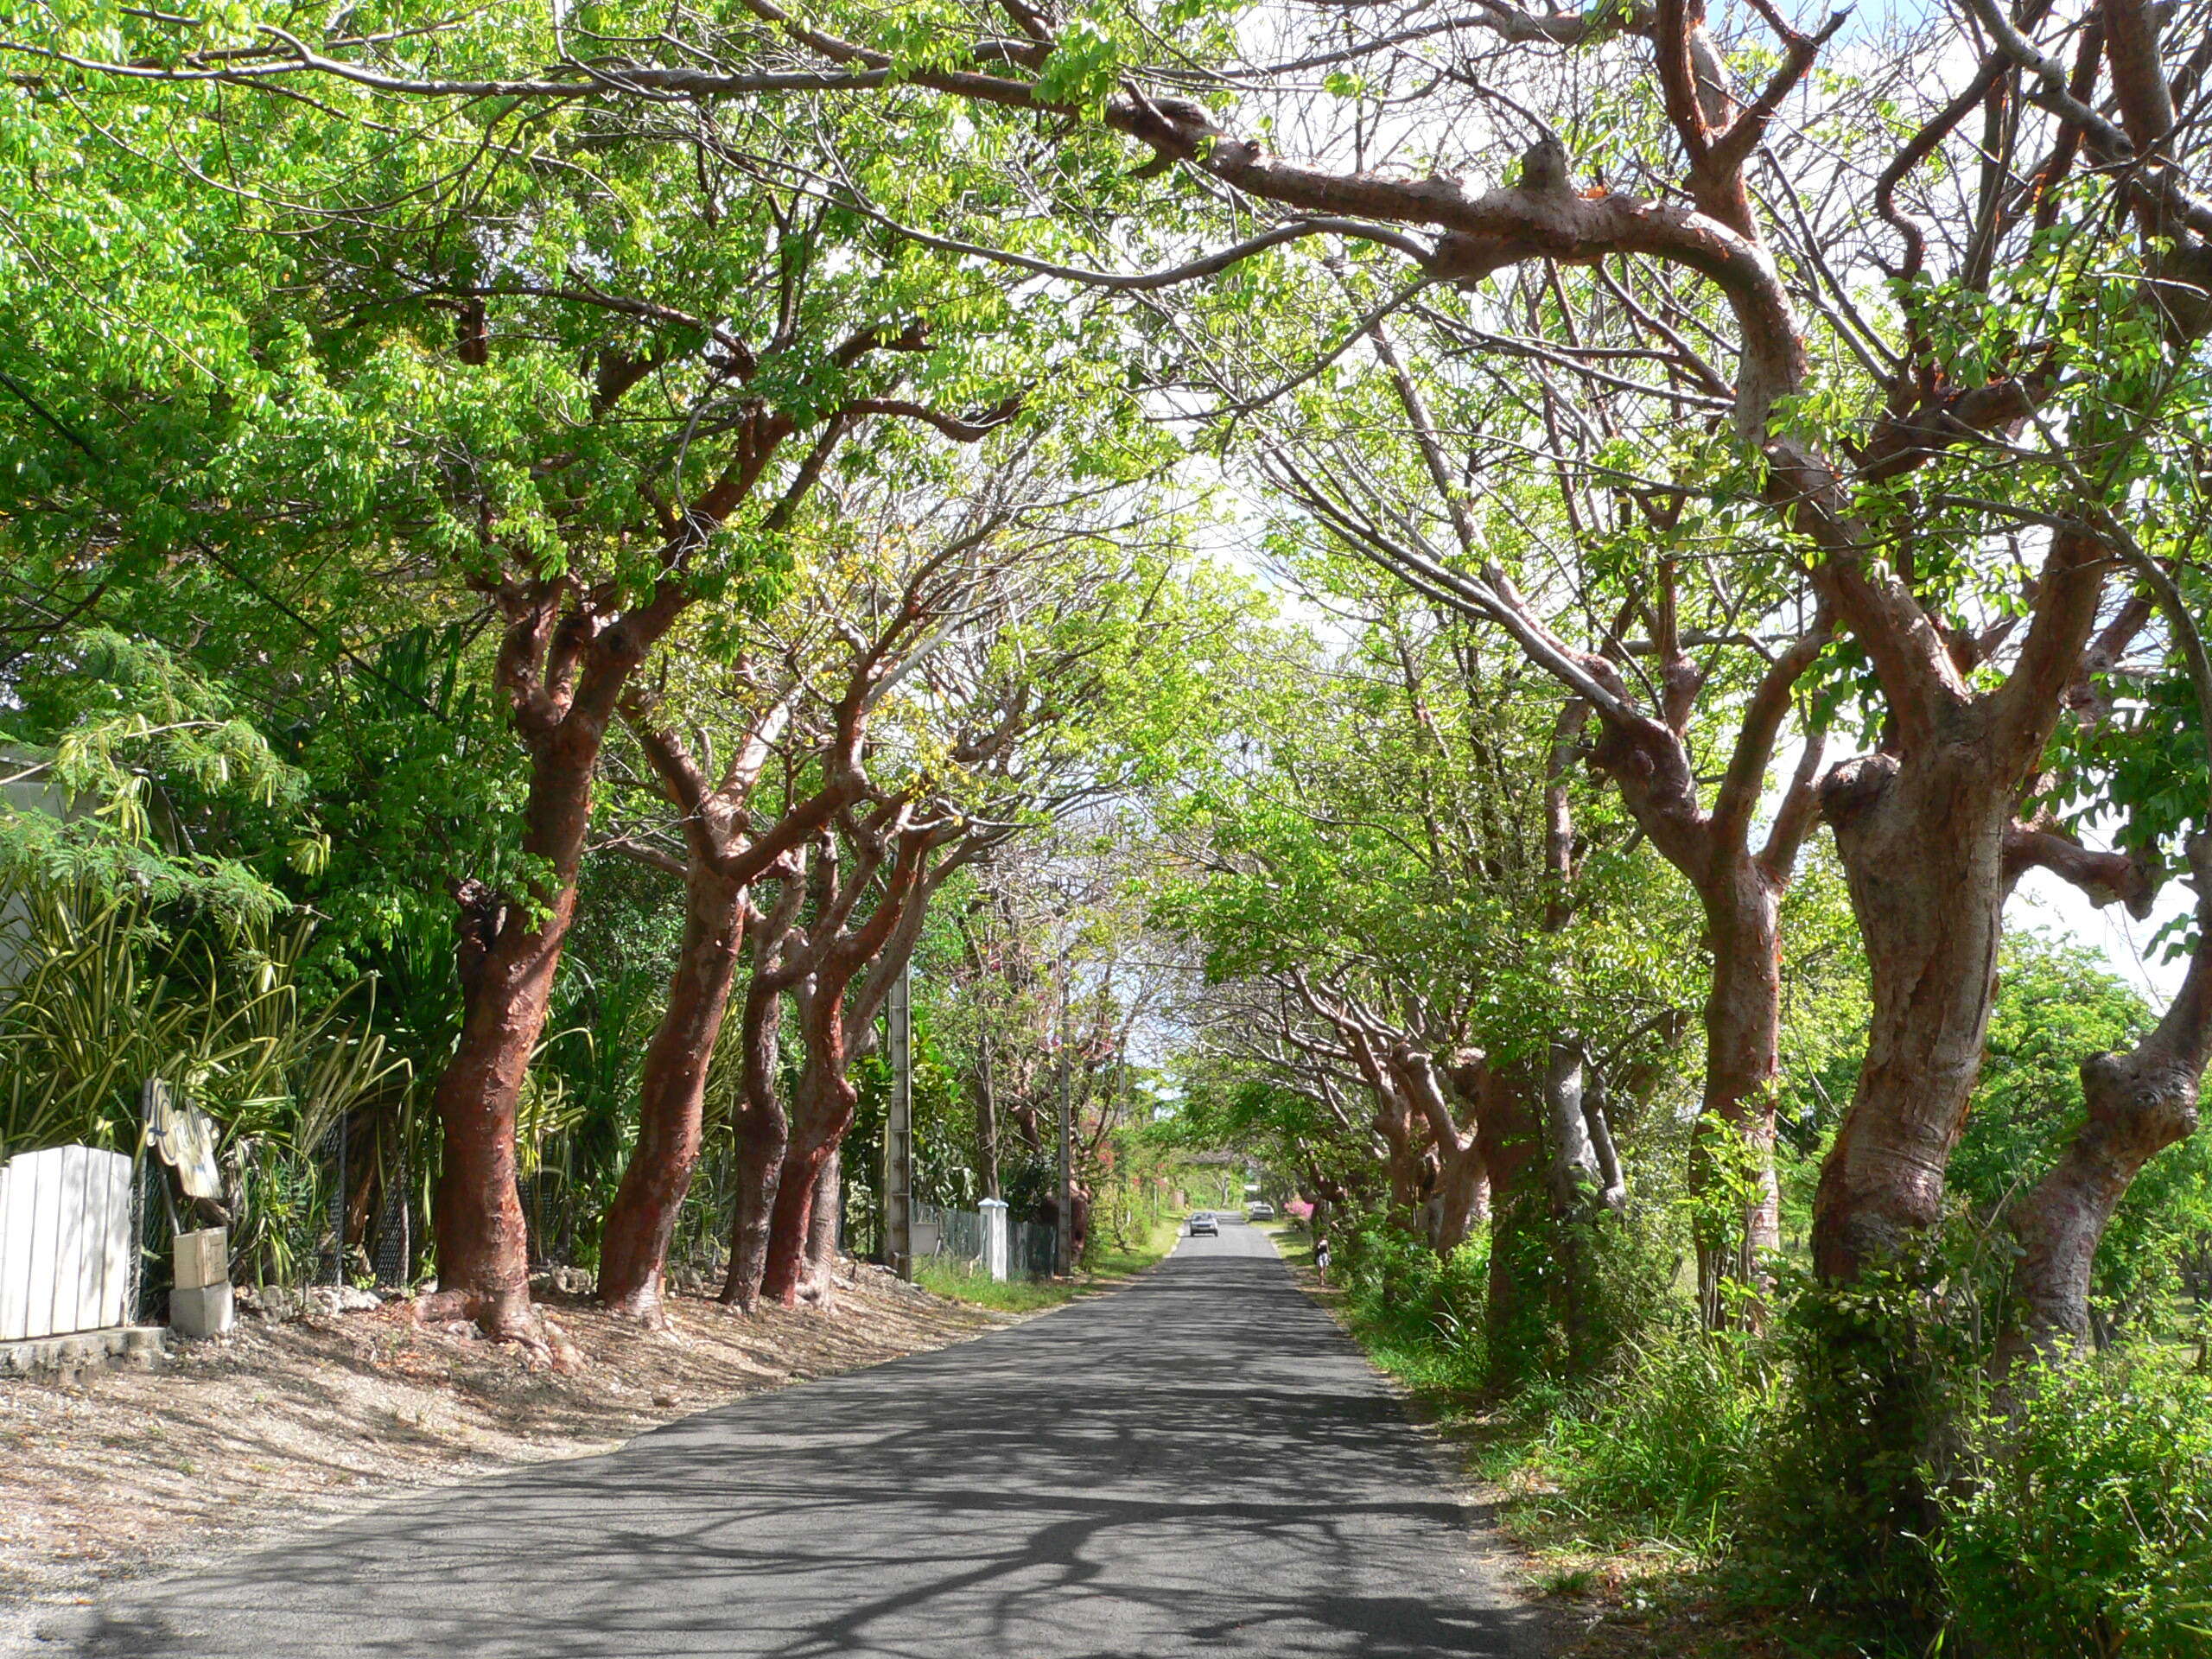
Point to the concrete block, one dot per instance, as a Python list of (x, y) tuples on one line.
[(66, 1358), (203, 1258), (207, 1311)]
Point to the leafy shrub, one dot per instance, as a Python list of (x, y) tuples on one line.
[(95, 999), (1661, 1448), (2088, 1530), (1419, 1315), (1879, 1377)]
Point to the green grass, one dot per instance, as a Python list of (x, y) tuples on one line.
[(1292, 1242), (1111, 1262), (963, 1281)]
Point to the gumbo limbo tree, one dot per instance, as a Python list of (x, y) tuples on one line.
[(1944, 463), (801, 700), (1676, 651), (1066, 684), (1957, 524), (973, 667), (575, 434), (1420, 919), (571, 644)]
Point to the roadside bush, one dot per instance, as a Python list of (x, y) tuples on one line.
[(1421, 1315), (2087, 1529), (96, 997), (1660, 1448), (1878, 1378)]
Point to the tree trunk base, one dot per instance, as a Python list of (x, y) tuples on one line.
[(645, 1305), (503, 1318)]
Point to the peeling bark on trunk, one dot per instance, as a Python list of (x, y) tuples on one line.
[(1923, 844), (821, 1111), (837, 1031), (671, 1090), (1743, 1037), (1459, 1201), (483, 1244), (763, 1136), (763, 1126), (565, 674), (819, 1283)]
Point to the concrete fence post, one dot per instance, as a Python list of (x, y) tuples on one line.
[(995, 1252)]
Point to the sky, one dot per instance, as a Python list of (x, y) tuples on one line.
[(2043, 901)]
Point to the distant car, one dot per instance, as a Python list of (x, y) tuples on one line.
[(1204, 1223), (1260, 1210)]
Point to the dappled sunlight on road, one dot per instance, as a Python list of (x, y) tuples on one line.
[(1199, 1463)]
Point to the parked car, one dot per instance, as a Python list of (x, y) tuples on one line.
[(1260, 1210), (1203, 1225)]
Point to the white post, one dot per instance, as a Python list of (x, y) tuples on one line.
[(997, 1240)]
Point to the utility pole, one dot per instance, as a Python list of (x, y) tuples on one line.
[(986, 1114), (1065, 1248), (899, 1134)]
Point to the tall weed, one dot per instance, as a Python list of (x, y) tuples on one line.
[(1421, 1315), (1662, 1449), (2086, 1530)]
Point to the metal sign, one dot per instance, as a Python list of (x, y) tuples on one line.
[(184, 1137)]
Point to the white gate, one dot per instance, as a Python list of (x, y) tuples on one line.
[(64, 1242)]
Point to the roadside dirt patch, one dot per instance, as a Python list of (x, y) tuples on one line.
[(277, 1426)]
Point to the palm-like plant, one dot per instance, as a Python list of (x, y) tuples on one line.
[(95, 999)]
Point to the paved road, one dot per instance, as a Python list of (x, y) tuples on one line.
[(1197, 1465)]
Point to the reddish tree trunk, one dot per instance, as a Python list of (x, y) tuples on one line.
[(1743, 1025), (819, 1285), (1923, 844), (2139, 1103), (763, 1132), (483, 1246), (822, 1111), (822, 1103), (633, 1257)]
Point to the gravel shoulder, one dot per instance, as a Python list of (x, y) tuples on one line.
[(280, 1428)]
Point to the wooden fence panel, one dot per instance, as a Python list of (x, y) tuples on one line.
[(65, 1241)]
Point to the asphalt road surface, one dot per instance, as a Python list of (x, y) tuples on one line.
[(1199, 1463)]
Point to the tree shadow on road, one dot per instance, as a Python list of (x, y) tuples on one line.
[(1199, 1464)]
